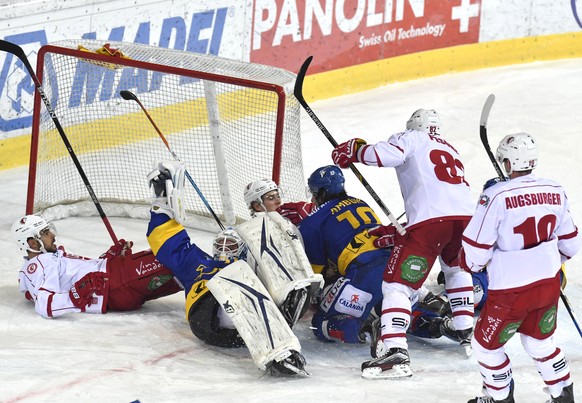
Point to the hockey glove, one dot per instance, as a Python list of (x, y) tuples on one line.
[(491, 182), (296, 211), (120, 248), (82, 291), (385, 234), (349, 152)]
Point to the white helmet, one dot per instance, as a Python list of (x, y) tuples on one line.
[(27, 227), (520, 149), (425, 120), (255, 190), (228, 246)]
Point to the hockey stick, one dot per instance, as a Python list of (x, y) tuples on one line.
[(483, 134), (130, 96), (18, 52), (298, 92)]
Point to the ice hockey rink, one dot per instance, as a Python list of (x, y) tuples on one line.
[(150, 355)]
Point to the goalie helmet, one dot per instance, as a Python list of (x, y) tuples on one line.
[(30, 226), (255, 191), (521, 150), (425, 120), (330, 178), (228, 246)]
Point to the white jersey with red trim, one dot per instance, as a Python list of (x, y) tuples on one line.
[(430, 173), (48, 277), (522, 230)]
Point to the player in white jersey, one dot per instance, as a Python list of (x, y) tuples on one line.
[(59, 283), (522, 231), (438, 206)]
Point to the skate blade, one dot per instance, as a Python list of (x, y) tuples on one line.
[(396, 372), (296, 371)]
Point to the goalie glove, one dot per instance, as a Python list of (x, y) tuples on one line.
[(167, 181), (349, 152), (296, 211), (82, 291)]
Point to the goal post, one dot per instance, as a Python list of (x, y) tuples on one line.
[(230, 122)]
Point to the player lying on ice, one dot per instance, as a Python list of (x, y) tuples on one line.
[(229, 302), (344, 241), (263, 198), (59, 283)]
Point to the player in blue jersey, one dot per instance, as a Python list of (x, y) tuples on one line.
[(219, 288), (339, 236)]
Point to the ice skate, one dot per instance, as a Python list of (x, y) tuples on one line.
[(392, 365), (567, 395), (462, 336), (293, 364), (489, 399)]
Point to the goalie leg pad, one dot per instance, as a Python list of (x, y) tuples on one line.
[(254, 314), (278, 256)]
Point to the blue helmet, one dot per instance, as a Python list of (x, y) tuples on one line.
[(330, 178)]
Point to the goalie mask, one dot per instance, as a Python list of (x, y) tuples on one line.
[(254, 192), (31, 226), (228, 246), (521, 150), (425, 120)]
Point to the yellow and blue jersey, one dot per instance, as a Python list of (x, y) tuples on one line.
[(336, 234), (171, 245)]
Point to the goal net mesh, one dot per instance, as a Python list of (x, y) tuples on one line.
[(230, 122)]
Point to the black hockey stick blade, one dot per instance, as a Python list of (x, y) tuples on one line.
[(483, 134), (19, 53), (298, 92)]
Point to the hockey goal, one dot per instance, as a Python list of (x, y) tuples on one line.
[(230, 122)]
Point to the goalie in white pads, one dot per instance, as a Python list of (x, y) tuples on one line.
[(276, 251), (226, 303)]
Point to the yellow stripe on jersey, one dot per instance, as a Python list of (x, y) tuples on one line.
[(196, 292), (317, 268), (362, 242), (162, 233)]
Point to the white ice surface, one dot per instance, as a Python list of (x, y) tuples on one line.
[(151, 355)]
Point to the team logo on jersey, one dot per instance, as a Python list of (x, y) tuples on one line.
[(508, 332), (484, 200), (548, 321), (31, 268), (330, 296), (414, 268), (158, 281), (352, 301)]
